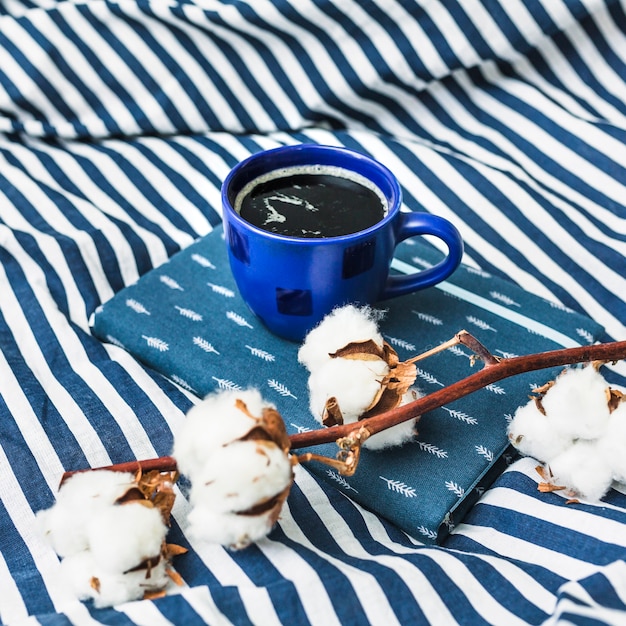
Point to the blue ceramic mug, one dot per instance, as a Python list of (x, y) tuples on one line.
[(292, 279)]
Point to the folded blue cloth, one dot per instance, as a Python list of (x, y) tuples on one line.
[(186, 320)]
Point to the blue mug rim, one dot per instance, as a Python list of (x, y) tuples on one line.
[(328, 155)]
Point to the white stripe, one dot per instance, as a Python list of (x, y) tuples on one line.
[(70, 412), (42, 177), (99, 208), (524, 582), (200, 600), (367, 589), (422, 44), (221, 64), (51, 213), (114, 172), (311, 591), (144, 614), (23, 518), (33, 432), (602, 71), (109, 58), (12, 607)]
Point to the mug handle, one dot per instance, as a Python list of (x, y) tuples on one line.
[(410, 225)]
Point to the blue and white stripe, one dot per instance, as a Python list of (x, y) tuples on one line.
[(118, 122)]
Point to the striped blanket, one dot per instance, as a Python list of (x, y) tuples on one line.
[(118, 121)]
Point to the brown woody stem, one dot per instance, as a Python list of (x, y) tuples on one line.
[(494, 369)]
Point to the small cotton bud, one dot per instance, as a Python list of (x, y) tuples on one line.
[(87, 580), (234, 450), (582, 470), (237, 477), (577, 403), (122, 537), (534, 434), (229, 529), (344, 325), (612, 444), (80, 498), (395, 435), (354, 385), (216, 421)]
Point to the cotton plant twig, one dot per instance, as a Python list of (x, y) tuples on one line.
[(350, 436)]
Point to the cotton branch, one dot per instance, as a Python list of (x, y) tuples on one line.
[(494, 369)]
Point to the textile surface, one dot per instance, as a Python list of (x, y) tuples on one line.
[(118, 122), (186, 320)]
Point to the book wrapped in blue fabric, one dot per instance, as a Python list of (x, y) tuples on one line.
[(186, 320)]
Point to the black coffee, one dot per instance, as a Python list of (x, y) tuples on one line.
[(311, 201)]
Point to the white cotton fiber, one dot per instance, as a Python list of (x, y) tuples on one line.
[(339, 328), (122, 537), (240, 475), (231, 474), (583, 470), (79, 499), (228, 529), (87, 580), (577, 403), (533, 434), (215, 421), (612, 444), (353, 383)]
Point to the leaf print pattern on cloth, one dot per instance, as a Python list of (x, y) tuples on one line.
[(427, 532), (202, 261), (168, 281), (429, 378), (131, 303), (203, 344), (431, 448), (261, 354), (223, 383), (223, 291), (401, 343), (238, 319), (455, 488), (399, 487), (459, 415), (427, 317), (484, 452), (156, 343), (189, 314), (280, 388), (339, 479), (496, 295), (480, 323), (183, 383)]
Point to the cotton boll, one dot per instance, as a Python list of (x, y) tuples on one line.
[(577, 403), (340, 327), (612, 444), (87, 580), (228, 529), (215, 421), (583, 470), (533, 434), (79, 499), (241, 475), (121, 537), (400, 433), (353, 383)]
